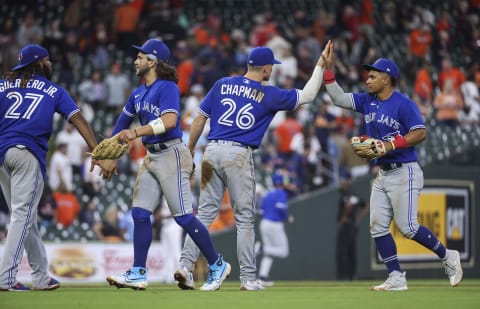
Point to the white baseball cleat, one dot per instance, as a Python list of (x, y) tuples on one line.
[(134, 278), (251, 285), (266, 283), (453, 267), (396, 281), (184, 278)]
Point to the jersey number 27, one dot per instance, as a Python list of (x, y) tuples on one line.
[(34, 99)]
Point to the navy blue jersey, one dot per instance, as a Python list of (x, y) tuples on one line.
[(27, 115), (275, 206), (241, 109), (149, 103), (384, 120)]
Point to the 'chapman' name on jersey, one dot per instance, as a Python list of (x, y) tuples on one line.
[(242, 91)]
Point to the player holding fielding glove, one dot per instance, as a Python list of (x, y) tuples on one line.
[(167, 168), (394, 126), (28, 102)]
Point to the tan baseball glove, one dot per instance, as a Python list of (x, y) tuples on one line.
[(109, 149), (368, 147)]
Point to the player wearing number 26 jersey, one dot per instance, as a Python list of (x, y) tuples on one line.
[(244, 109), (28, 102), (240, 109)]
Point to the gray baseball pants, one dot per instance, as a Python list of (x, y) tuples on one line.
[(227, 166), (22, 184)]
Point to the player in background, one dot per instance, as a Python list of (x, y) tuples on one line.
[(166, 169), (395, 120), (274, 211), (28, 102), (240, 109)]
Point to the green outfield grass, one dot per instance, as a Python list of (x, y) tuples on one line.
[(425, 294)]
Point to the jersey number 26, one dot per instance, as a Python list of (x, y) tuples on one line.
[(243, 118)]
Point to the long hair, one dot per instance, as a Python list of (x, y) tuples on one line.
[(26, 73), (166, 72)]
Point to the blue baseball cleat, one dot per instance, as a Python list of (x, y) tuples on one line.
[(19, 287), (134, 278), (217, 272), (52, 285)]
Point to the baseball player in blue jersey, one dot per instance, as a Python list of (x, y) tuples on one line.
[(28, 102), (240, 109), (167, 168), (395, 126), (274, 210)]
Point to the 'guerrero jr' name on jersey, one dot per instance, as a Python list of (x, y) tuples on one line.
[(33, 83)]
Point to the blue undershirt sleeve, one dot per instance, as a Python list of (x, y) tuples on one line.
[(123, 122)]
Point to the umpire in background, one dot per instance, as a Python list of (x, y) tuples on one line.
[(351, 209), (28, 102)]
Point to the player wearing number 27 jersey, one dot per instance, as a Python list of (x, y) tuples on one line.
[(240, 109), (28, 102)]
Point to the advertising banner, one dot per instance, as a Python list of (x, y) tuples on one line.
[(92, 262)]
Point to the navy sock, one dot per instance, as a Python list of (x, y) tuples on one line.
[(426, 238), (142, 236), (200, 236), (388, 251)]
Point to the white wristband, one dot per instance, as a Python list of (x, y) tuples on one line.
[(157, 126)]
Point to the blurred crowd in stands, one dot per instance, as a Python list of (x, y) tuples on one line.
[(435, 43)]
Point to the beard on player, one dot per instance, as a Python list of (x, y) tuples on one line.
[(142, 70), (267, 72), (162, 69)]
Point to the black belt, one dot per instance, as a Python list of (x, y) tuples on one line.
[(156, 147), (159, 147), (390, 166), (232, 143)]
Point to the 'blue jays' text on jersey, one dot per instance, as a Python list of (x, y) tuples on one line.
[(149, 103), (397, 115), (26, 115), (240, 109), (275, 206)]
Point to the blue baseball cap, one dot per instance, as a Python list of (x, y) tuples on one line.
[(383, 65), (280, 179), (260, 56), (154, 47), (30, 53)]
